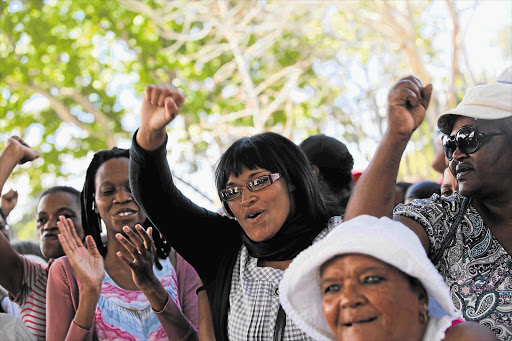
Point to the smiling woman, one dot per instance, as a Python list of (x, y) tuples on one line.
[(349, 286), (93, 292)]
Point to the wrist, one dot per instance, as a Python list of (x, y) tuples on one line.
[(397, 137), (150, 285), (150, 139), (91, 292)]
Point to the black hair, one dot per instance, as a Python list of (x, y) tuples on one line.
[(416, 286), (423, 190), (334, 163), (276, 154), (2, 214), (403, 186), (91, 221), (56, 189)]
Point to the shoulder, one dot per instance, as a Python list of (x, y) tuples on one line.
[(433, 211), (469, 331)]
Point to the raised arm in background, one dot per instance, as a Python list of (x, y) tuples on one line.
[(16, 152), (373, 195)]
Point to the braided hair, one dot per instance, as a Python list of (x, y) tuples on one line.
[(91, 221)]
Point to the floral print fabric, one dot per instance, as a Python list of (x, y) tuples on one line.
[(127, 315)]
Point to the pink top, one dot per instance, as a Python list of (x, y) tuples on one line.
[(63, 297)]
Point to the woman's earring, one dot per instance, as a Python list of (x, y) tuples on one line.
[(423, 315)]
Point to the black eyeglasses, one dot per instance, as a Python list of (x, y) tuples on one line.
[(468, 139), (262, 182)]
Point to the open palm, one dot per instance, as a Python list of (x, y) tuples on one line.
[(86, 262)]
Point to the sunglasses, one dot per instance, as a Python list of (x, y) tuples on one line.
[(468, 139), (254, 185)]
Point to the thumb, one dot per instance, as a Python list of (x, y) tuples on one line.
[(171, 109), (91, 246), (427, 94)]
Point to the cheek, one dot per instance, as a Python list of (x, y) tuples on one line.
[(330, 310)]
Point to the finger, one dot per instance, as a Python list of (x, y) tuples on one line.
[(73, 231), (125, 260), (415, 80), (171, 109), (411, 85), (20, 140), (91, 246), (63, 242), (155, 93), (145, 235), (127, 245), (66, 234), (134, 238), (179, 98), (426, 94), (163, 94), (147, 92)]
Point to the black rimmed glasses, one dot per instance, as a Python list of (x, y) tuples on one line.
[(468, 139), (257, 184)]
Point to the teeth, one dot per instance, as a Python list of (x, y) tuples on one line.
[(124, 214)]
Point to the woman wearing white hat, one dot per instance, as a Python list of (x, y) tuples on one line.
[(370, 279), (469, 235)]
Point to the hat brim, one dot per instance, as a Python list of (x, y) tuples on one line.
[(446, 120), (384, 239)]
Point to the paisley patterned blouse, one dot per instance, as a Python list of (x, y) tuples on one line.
[(475, 266)]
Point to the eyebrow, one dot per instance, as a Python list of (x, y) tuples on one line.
[(363, 271), (60, 210), (250, 176)]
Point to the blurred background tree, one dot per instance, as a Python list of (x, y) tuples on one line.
[(72, 73)]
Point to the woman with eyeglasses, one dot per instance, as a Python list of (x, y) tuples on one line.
[(468, 236), (273, 208)]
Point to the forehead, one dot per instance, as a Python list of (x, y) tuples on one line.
[(113, 169), (246, 173), (55, 201), (354, 262)]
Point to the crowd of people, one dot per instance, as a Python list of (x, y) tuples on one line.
[(298, 251)]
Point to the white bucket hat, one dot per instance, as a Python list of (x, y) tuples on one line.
[(488, 102), (385, 239)]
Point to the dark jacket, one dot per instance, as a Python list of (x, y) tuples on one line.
[(208, 241)]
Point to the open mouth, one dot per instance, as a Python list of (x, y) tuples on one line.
[(359, 322), (125, 212), (254, 215)]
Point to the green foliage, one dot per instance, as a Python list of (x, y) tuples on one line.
[(244, 66)]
